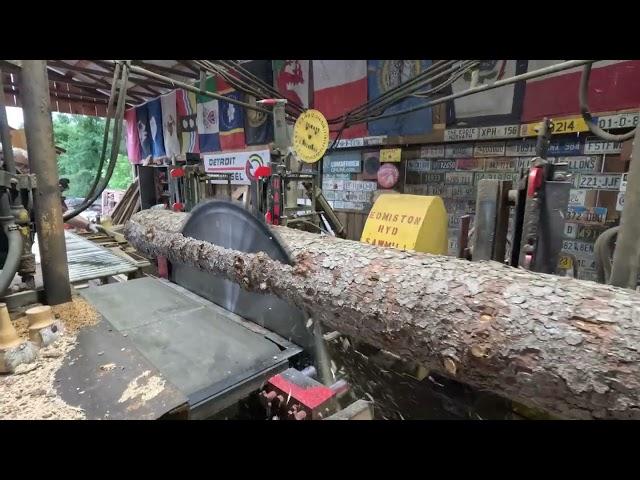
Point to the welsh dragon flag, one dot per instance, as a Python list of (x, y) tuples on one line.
[(291, 78), (208, 119)]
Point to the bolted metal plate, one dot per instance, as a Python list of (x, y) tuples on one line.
[(230, 226)]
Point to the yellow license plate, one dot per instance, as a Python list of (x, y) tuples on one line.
[(565, 262), (390, 154), (559, 126)]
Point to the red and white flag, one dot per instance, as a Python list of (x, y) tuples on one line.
[(613, 86), (340, 86)]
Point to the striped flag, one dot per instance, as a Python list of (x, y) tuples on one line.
[(170, 124), (231, 118), (187, 128), (208, 119), (613, 86), (133, 141), (339, 86), (155, 128)]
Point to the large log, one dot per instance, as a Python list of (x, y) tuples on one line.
[(566, 346)]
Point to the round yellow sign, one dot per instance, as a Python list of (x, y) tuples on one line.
[(311, 136)]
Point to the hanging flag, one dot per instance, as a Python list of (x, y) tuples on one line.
[(231, 118), (612, 87), (340, 86), (258, 126), (500, 106), (187, 122), (208, 119), (387, 74), (142, 121), (291, 78), (170, 124), (155, 128), (133, 141)]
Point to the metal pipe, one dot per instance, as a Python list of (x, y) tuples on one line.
[(191, 88), (5, 135), (482, 88), (626, 256), (42, 159)]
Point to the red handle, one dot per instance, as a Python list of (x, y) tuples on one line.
[(177, 172), (536, 175)]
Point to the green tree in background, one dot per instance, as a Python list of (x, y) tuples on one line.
[(81, 137)]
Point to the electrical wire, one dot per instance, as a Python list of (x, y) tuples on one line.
[(583, 95)]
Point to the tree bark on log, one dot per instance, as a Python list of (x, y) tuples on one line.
[(567, 346)]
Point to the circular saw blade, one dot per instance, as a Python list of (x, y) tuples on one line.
[(230, 226)]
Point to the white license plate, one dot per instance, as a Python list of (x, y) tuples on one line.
[(570, 230), (575, 246), (577, 196), (595, 145), (459, 178), (433, 177), (418, 165), (620, 201), (621, 120), (600, 181)]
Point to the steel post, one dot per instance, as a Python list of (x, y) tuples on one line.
[(5, 134), (42, 161), (626, 256)]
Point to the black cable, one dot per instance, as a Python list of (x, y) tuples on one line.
[(422, 77), (115, 147), (583, 95), (438, 88)]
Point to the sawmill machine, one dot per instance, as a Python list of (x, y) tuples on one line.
[(275, 195)]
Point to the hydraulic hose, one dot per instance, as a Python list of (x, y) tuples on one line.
[(115, 147), (586, 115), (14, 238), (105, 139), (604, 247)]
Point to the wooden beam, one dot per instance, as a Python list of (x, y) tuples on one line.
[(165, 70), (64, 96), (86, 71), (189, 65)]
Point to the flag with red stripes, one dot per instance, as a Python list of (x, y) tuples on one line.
[(340, 86), (613, 86)]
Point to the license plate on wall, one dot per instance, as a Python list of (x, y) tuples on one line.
[(600, 181)]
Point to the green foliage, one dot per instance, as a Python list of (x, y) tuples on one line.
[(81, 137)]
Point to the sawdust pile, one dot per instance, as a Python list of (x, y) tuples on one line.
[(30, 393), (76, 314)]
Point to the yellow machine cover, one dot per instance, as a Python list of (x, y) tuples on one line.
[(408, 222)]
